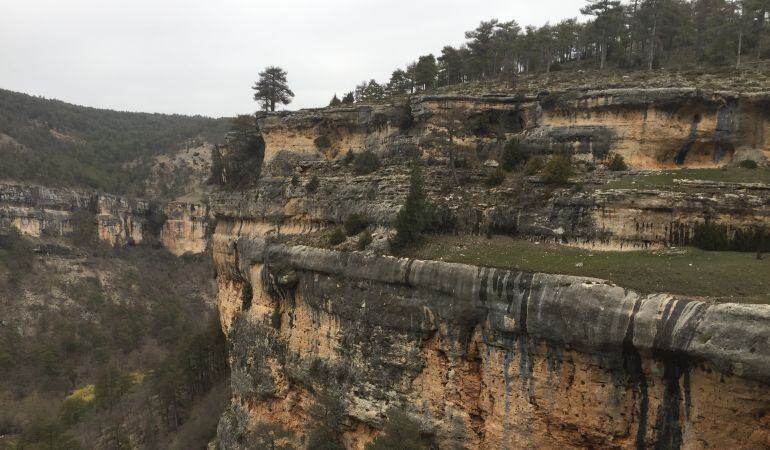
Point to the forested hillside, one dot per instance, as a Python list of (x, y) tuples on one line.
[(628, 35), (55, 143), (106, 348)]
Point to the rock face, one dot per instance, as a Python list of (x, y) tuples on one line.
[(479, 357), (35, 210), (650, 128), (484, 358), (186, 229), (602, 218)]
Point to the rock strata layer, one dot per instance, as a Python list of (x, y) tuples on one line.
[(484, 358)]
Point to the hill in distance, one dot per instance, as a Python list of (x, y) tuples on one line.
[(55, 143)]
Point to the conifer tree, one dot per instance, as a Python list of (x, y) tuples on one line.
[(272, 88), (415, 215)]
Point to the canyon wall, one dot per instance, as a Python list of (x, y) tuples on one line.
[(650, 128), (38, 210), (593, 217), (480, 357), (484, 358)]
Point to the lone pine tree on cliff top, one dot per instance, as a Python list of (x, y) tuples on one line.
[(272, 88)]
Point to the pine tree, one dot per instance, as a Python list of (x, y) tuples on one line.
[(607, 16), (348, 98), (425, 72), (399, 83), (415, 215), (335, 101), (272, 88)]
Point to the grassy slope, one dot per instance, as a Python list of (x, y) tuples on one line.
[(728, 276)]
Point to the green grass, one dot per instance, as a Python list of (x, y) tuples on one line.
[(724, 276), (667, 177)]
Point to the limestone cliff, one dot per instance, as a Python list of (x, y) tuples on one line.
[(485, 358), (36, 210), (651, 128), (481, 357)]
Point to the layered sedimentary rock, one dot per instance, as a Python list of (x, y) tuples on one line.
[(186, 229), (480, 357), (651, 128), (484, 358), (612, 218), (38, 210)]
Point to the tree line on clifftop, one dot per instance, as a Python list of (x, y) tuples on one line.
[(634, 34)]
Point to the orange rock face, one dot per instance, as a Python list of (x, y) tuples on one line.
[(486, 359)]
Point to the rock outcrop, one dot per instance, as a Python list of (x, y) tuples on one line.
[(602, 218), (484, 358), (38, 210), (186, 228), (481, 357), (650, 128)]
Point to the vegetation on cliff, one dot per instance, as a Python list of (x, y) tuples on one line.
[(241, 166), (272, 88), (416, 213)]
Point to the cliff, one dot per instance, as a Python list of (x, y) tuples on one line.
[(485, 358), (37, 210), (650, 128), (480, 357)]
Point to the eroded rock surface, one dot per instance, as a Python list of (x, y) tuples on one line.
[(485, 358), (36, 210), (480, 357)]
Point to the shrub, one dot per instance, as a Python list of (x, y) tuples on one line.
[(513, 156), (322, 142), (348, 158), (717, 237), (748, 164), (83, 224), (295, 180), (312, 185), (534, 165), (617, 164), (550, 101), (337, 237), (354, 224), (364, 239), (406, 120), (365, 163), (400, 432), (16, 252), (558, 169), (495, 177)]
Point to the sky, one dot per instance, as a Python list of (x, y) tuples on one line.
[(202, 57)]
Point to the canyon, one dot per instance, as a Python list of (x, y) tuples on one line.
[(481, 357)]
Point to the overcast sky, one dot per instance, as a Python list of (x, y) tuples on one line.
[(202, 56)]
